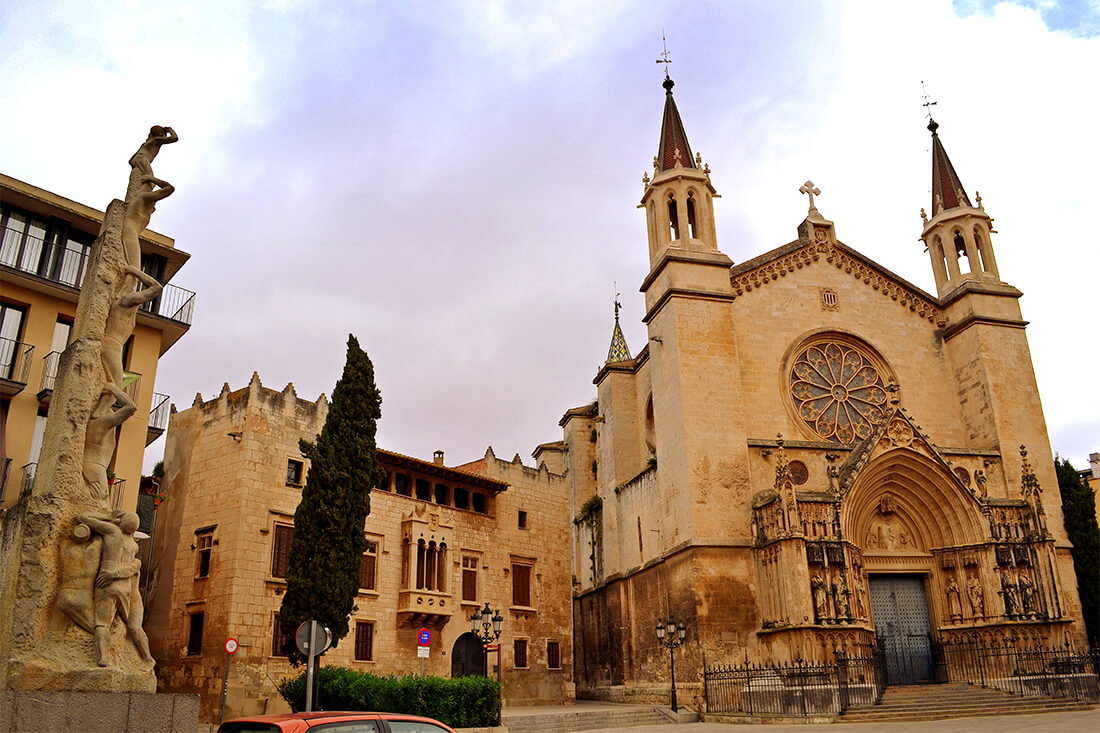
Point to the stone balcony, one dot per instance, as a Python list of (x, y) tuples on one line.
[(424, 608)]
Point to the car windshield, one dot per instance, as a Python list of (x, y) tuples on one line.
[(246, 727)]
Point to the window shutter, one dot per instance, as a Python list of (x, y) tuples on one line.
[(364, 641), (553, 655), (280, 554), (366, 572), (521, 585)]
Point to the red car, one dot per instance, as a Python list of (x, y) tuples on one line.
[(338, 722)]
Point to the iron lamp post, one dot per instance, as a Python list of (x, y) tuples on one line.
[(671, 634), (485, 624)]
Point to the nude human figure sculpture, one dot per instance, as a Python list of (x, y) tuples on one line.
[(120, 323), (116, 584), (142, 161), (139, 210), (99, 441), (80, 556)]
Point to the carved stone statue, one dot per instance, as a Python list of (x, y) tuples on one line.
[(821, 602), (1027, 593), (1008, 593), (69, 565), (80, 554), (977, 599), (141, 162), (116, 584), (840, 596), (954, 604), (99, 442), (860, 589), (139, 210), (120, 323)]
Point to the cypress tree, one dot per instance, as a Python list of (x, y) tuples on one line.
[(1079, 512), (327, 547)]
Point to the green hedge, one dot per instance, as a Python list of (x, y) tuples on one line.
[(462, 702)]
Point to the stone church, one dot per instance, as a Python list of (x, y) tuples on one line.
[(810, 453)]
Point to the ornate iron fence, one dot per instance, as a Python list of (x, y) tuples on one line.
[(797, 688), (1027, 671)]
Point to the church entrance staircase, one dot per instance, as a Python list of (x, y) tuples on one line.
[(937, 702)]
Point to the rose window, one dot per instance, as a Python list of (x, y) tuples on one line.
[(838, 391)]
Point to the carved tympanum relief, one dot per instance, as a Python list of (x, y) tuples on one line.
[(838, 390)]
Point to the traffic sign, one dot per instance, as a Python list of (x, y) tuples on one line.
[(322, 638), (492, 647), (231, 645), (423, 651), (424, 637)]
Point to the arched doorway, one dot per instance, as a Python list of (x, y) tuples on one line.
[(903, 511), (467, 657)]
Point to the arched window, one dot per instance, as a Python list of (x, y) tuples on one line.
[(693, 230), (980, 245), (673, 219)]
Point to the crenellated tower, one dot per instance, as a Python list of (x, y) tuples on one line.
[(958, 234)]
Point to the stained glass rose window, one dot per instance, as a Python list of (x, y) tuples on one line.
[(838, 391)]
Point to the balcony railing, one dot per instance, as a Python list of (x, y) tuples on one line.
[(26, 481), (62, 263), (118, 492), (4, 470), (66, 264), (175, 303), (49, 370), (15, 364), (158, 415)]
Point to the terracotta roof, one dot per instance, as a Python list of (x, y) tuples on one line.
[(673, 137), (945, 182), (430, 468)]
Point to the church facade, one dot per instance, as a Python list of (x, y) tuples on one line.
[(810, 453)]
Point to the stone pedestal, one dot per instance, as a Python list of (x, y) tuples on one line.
[(122, 712)]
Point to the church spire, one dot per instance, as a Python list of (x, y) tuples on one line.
[(674, 149), (958, 233), (618, 351), (947, 190)]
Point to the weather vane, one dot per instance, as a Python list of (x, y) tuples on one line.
[(927, 105), (664, 54), (617, 304)]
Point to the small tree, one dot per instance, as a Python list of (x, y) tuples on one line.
[(327, 547), (1079, 511)]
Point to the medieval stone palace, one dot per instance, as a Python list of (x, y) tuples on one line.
[(810, 452)]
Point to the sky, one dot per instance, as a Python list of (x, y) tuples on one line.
[(456, 182)]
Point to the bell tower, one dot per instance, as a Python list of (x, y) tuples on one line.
[(679, 200), (958, 234)]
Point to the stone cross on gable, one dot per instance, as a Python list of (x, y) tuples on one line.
[(808, 189)]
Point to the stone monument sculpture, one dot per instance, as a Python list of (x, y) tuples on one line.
[(70, 610)]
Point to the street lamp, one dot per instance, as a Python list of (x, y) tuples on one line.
[(485, 624), (670, 635)]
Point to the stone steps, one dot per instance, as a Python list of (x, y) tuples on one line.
[(936, 702), (559, 722)]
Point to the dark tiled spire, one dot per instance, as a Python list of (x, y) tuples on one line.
[(673, 138), (947, 189)]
